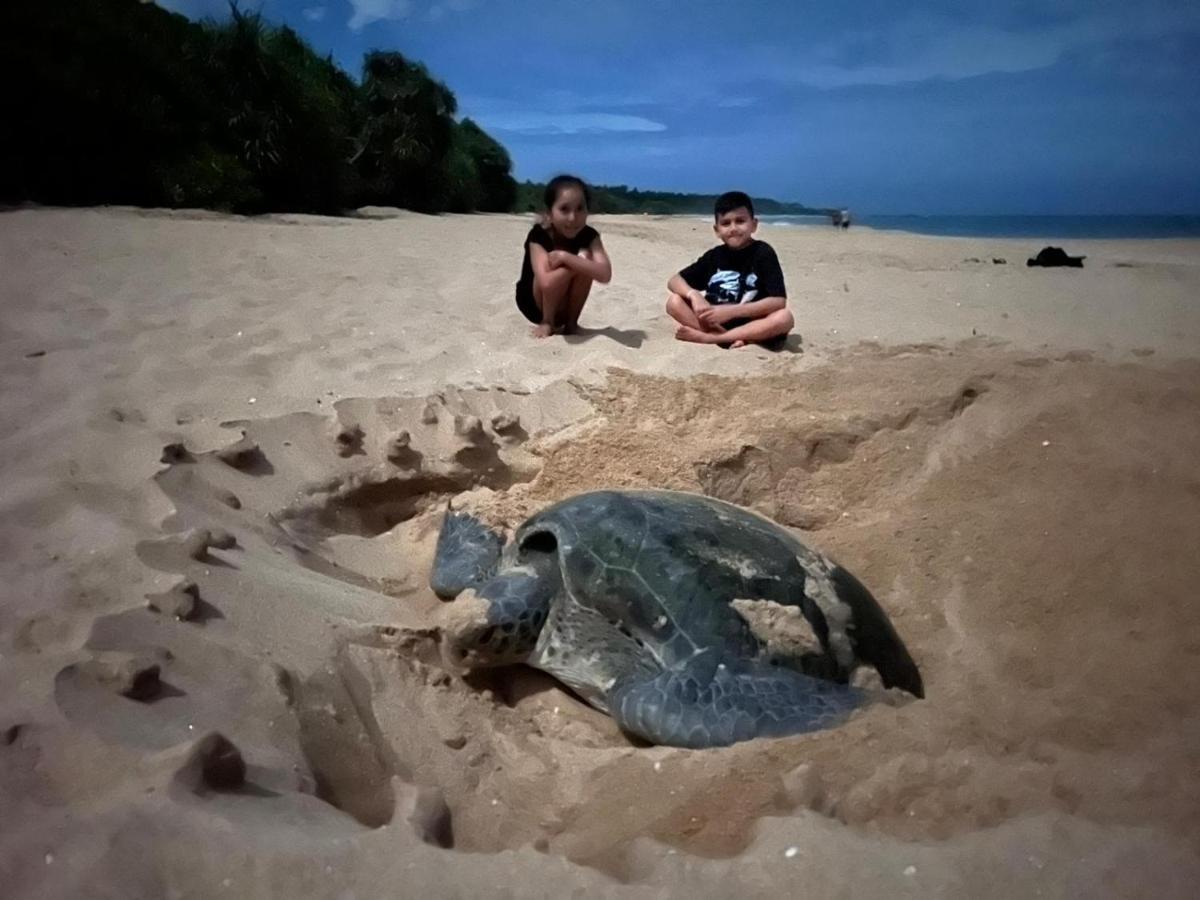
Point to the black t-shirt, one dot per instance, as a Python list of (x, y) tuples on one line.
[(737, 276), (540, 236)]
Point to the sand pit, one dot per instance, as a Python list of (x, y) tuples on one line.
[(245, 694)]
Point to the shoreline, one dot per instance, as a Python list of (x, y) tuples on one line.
[(1032, 228), (820, 223)]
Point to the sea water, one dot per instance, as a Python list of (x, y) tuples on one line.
[(1016, 226)]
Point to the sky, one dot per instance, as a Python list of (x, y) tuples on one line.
[(883, 106)]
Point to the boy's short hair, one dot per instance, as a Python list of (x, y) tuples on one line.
[(731, 200)]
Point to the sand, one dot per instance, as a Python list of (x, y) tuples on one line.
[(226, 448)]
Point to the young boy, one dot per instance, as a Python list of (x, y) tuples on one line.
[(733, 294)]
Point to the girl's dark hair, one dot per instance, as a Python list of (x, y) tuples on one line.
[(556, 185)]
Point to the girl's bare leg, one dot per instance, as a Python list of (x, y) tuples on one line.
[(576, 296), (552, 301)]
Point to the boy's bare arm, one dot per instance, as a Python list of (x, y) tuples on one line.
[(695, 298), (756, 309)]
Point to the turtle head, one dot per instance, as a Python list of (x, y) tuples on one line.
[(503, 618), (467, 554)]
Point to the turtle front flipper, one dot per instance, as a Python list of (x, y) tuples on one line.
[(467, 554), (713, 702)]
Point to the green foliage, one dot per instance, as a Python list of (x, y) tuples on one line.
[(407, 131), (207, 178), (529, 197), (120, 101), (97, 95), (497, 188), (287, 113), (458, 185)]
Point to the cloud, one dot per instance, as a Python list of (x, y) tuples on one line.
[(368, 11), (922, 47), (567, 123), (314, 13), (445, 7)]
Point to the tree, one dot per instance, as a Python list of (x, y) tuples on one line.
[(407, 130), (120, 101), (288, 113), (498, 189)]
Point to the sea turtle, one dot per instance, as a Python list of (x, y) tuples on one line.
[(627, 598)]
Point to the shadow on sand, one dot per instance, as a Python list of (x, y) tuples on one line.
[(632, 337), (792, 343)]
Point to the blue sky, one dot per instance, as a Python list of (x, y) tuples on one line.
[(1056, 106)]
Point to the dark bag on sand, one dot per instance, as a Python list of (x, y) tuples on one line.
[(1054, 256)]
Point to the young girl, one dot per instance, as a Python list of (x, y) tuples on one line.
[(563, 256)]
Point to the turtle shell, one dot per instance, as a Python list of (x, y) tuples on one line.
[(664, 568), (668, 565)]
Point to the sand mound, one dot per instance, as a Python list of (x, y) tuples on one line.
[(1029, 524)]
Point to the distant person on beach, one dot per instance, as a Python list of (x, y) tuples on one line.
[(733, 295), (563, 257)]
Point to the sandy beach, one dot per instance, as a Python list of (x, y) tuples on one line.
[(228, 443)]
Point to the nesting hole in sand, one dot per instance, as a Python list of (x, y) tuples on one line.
[(942, 490), (372, 508), (481, 738), (387, 732), (509, 758)]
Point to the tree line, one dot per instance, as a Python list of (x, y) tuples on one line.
[(623, 199), (123, 102), (120, 101)]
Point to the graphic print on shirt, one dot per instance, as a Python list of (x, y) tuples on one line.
[(725, 286)]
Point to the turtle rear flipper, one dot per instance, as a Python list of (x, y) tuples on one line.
[(467, 554), (711, 701)]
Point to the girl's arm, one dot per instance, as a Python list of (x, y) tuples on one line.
[(540, 261), (595, 265)]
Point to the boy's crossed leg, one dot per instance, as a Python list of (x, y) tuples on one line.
[(681, 311), (774, 325)]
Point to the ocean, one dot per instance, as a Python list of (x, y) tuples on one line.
[(1017, 226)]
